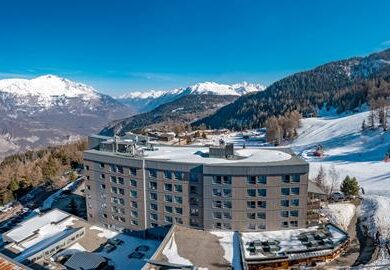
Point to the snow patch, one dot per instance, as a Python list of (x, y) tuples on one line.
[(340, 214)]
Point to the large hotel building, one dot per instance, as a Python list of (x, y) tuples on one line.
[(134, 185)]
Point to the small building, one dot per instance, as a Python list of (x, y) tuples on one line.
[(285, 249), (85, 261)]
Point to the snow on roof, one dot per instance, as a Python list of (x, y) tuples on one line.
[(36, 225), (200, 155), (288, 241)]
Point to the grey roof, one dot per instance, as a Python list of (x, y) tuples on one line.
[(314, 188), (84, 261)]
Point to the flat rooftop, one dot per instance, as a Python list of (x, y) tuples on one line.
[(291, 244), (197, 248), (199, 155)]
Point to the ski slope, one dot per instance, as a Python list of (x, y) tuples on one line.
[(351, 151)]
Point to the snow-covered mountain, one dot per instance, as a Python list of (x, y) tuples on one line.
[(148, 100), (50, 109)]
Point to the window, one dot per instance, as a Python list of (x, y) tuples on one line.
[(227, 226), (251, 192), (251, 215), (194, 201), (134, 204), (103, 186), (262, 192), (101, 165), (193, 190), (168, 209), (217, 180), (168, 198), (119, 169), (168, 187), (178, 176), (118, 200), (250, 204), (284, 214), (217, 192), (152, 173), (133, 171), (251, 180), (251, 226), (296, 178), (194, 177), (121, 180), (134, 222), (154, 207), (295, 191), (114, 190), (262, 204), (86, 167), (133, 182), (179, 220), (227, 180), (294, 223), (133, 193), (168, 219), (284, 203), (261, 215), (178, 188), (285, 224), (153, 196), (227, 215), (295, 202), (286, 178), (285, 191), (262, 179), (113, 179), (153, 216), (227, 204), (178, 199), (168, 174), (218, 225), (217, 204), (179, 210), (294, 213), (102, 176), (217, 215), (134, 214), (153, 185), (194, 212), (112, 168), (261, 226), (227, 192)]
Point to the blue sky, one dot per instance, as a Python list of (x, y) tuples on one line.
[(119, 46)]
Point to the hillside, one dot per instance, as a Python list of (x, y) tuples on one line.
[(43, 110), (181, 111), (148, 100), (352, 151), (335, 84)]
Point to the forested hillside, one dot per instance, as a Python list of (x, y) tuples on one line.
[(21, 172), (181, 111), (344, 85)]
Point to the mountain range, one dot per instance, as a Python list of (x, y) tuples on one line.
[(49, 109), (148, 100)]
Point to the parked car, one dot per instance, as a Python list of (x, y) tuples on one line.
[(337, 196)]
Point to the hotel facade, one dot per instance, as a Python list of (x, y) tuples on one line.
[(133, 185)]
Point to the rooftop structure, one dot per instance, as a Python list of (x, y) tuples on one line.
[(135, 186), (291, 247), (61, 237)]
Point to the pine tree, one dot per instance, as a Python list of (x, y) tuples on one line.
[(350, 186)]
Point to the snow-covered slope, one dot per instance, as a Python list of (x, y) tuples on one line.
[(148, 100), (351, 151), (50, 109)]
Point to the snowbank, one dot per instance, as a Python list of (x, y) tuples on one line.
[(340, 214), (376, 216)]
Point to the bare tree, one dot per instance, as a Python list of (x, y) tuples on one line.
[(320, 179), (334, 178)]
